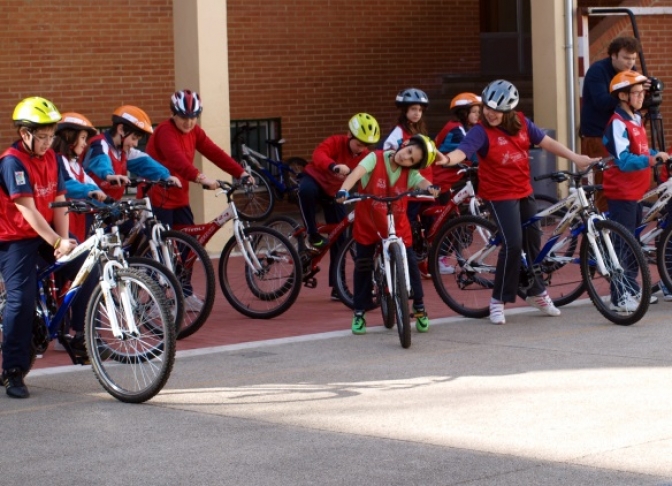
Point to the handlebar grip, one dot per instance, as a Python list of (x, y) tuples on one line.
[(59, 204)]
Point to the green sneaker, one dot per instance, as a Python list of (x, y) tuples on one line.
[(358, 324), (421, 319)]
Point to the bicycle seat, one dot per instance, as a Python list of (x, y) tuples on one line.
[(276, 142)]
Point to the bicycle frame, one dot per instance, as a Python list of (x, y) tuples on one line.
[(252, 157), (664, 193)]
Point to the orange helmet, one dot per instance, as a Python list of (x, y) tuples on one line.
[(625, 80), (75, 121), (133, 118), (465, 100)]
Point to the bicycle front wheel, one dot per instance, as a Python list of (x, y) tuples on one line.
[(254, 202), (196, 275), (623, 293), (399, 294), (345, 277), (267, 291), (132, 367), (462, 262)]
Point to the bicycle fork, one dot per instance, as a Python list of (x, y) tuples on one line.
[(107, 283), (393, 240), (591, 233)]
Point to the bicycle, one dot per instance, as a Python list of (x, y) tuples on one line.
[(610, 261), (392, 284), (274, 178), (145, 236), (131, 353), (269, 265)]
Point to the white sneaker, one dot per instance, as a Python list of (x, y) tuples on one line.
[(627, 304), (193, 303), (497, 313), (444, 267), (544, 303)]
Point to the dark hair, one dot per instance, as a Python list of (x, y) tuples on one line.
[(127, 129), (629, 44), (510, 122), (409, 126), (64, 141)]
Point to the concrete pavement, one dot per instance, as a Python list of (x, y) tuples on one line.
[(539, 401)]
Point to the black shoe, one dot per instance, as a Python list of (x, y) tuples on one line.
[(13, 381), (334, 296), (77, 345), (318, 241)]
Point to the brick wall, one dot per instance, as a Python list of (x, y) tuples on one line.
[(86, 56), (316, 63)]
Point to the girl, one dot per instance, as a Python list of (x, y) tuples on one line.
[(387, 172), (412, 102), (501, 141), (72, 133)]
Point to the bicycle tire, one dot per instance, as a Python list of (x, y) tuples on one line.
[(383, 295), (345, 272), (664, 256), (132, 369), (467, 289), (265, 294), (167, 281), (286, 226), (635, 273), (254, 203), (189, 260), (399, 294)]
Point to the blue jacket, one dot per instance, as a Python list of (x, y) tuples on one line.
[(597, 104)]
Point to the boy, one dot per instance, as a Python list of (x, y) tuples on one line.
[(625, 139), (387, 172)]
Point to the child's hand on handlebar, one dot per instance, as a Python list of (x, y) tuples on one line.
[(65, 247), (98, 195), (342, 195), (174, 181), (583, 161), (117, 180)]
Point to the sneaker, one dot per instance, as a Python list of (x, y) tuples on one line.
[(77, 345), (421, 319), (424, 270), (544, 303), (627, 304), (358, 324), (318, 241), (334, 296), (13, 382), (193, 304), (445, 268), (667, 295), (652, 300), (497, 313)]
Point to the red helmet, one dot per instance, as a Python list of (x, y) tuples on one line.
[(186, 103)]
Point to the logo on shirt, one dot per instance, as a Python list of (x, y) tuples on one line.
[(20, 178), (381, 184), (44, 191)]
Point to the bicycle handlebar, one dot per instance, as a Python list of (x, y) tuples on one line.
[(563, 175), (419, 193)]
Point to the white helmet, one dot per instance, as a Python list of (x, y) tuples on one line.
[(500, 95)]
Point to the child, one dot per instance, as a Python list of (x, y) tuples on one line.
[(387, 172), (112, 154), (174, 143), (30, 179), (625, 183), (72, 133), (333, 159), (466, 108), (502, 141)]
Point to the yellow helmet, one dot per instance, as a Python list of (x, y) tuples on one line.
[(428, 150), (364, 128), (34, 112)]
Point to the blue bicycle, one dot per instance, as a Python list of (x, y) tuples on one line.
[(129, 331)]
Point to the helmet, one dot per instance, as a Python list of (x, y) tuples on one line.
[(428, 150), (133, 118), (186, 103), (35, 111), (465, 100), (364, 128), (411, 96), (75, 121), (625, 80), (500, 95)]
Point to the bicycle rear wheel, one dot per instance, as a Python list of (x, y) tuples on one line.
[(464, 285), (269, 291), (286, 226), (133, 367), (167, 281), (254, 202), (196, 275), (399, 295), (623, 295)]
